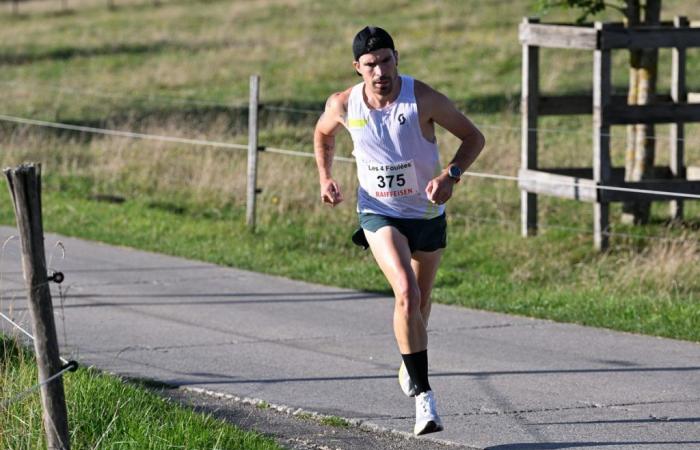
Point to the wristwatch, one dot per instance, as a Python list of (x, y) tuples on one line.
[(454, 172)]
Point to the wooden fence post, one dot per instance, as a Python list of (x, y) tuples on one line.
[(25, 186), (528, 153), (602, 170), (252, 150), (679, 94)]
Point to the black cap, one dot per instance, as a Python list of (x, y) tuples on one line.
[(370, 39)]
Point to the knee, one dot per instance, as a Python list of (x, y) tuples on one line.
[(408, 302)]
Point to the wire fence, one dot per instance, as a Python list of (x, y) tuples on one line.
[(129, 134), (68, 365), (121, 133), (21, 395), (289, 152), (306, 154)]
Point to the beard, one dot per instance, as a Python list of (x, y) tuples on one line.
[(383, 85)]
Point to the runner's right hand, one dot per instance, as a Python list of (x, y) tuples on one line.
[(330, 192)]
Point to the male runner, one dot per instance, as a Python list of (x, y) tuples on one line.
[(403, 190)]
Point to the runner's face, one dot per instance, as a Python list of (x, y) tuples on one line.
[(379, 70)]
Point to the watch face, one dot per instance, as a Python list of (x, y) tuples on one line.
[(454, 172)]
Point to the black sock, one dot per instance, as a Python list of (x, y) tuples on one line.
[(417, 367)]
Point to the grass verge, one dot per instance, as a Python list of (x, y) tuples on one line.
[(106, 412)]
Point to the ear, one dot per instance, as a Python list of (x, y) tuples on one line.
[(356, 65), (396, 56)]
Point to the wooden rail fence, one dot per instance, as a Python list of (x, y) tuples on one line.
[(676, 108)]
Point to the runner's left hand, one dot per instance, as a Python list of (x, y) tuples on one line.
[(439, 189)]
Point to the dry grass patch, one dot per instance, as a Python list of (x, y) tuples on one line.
[(663, 265)]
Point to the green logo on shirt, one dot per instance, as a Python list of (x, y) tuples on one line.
[(357, 123)]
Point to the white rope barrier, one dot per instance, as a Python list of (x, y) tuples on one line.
[(19, 327), (574, 184), (7, 402), (69, 366), (203, 142), (16, 325), (509, 177)]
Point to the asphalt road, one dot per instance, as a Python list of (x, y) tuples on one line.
[(502, 382)]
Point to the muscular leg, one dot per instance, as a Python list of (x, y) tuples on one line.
[(425, 267), (410, 277), (391, 251)]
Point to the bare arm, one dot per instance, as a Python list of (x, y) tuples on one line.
[(454, 121), (437, 108), (324, 146)]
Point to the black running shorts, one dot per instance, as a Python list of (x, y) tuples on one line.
[(425, 235)]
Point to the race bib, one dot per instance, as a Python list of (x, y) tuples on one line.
[(389, 180)]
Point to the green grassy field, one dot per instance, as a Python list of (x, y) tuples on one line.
[(107, 413), (182, 69)]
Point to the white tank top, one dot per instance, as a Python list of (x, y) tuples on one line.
[(394, 160)]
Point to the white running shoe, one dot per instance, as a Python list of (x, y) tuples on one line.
[(405, 382), (427, 419)]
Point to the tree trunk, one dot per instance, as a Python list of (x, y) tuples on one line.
[(641, 144)]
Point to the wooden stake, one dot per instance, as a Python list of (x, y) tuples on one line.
[(252, 150), (25, 186)]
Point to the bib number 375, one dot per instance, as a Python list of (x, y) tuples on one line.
[(390, 180), (398, 180)]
